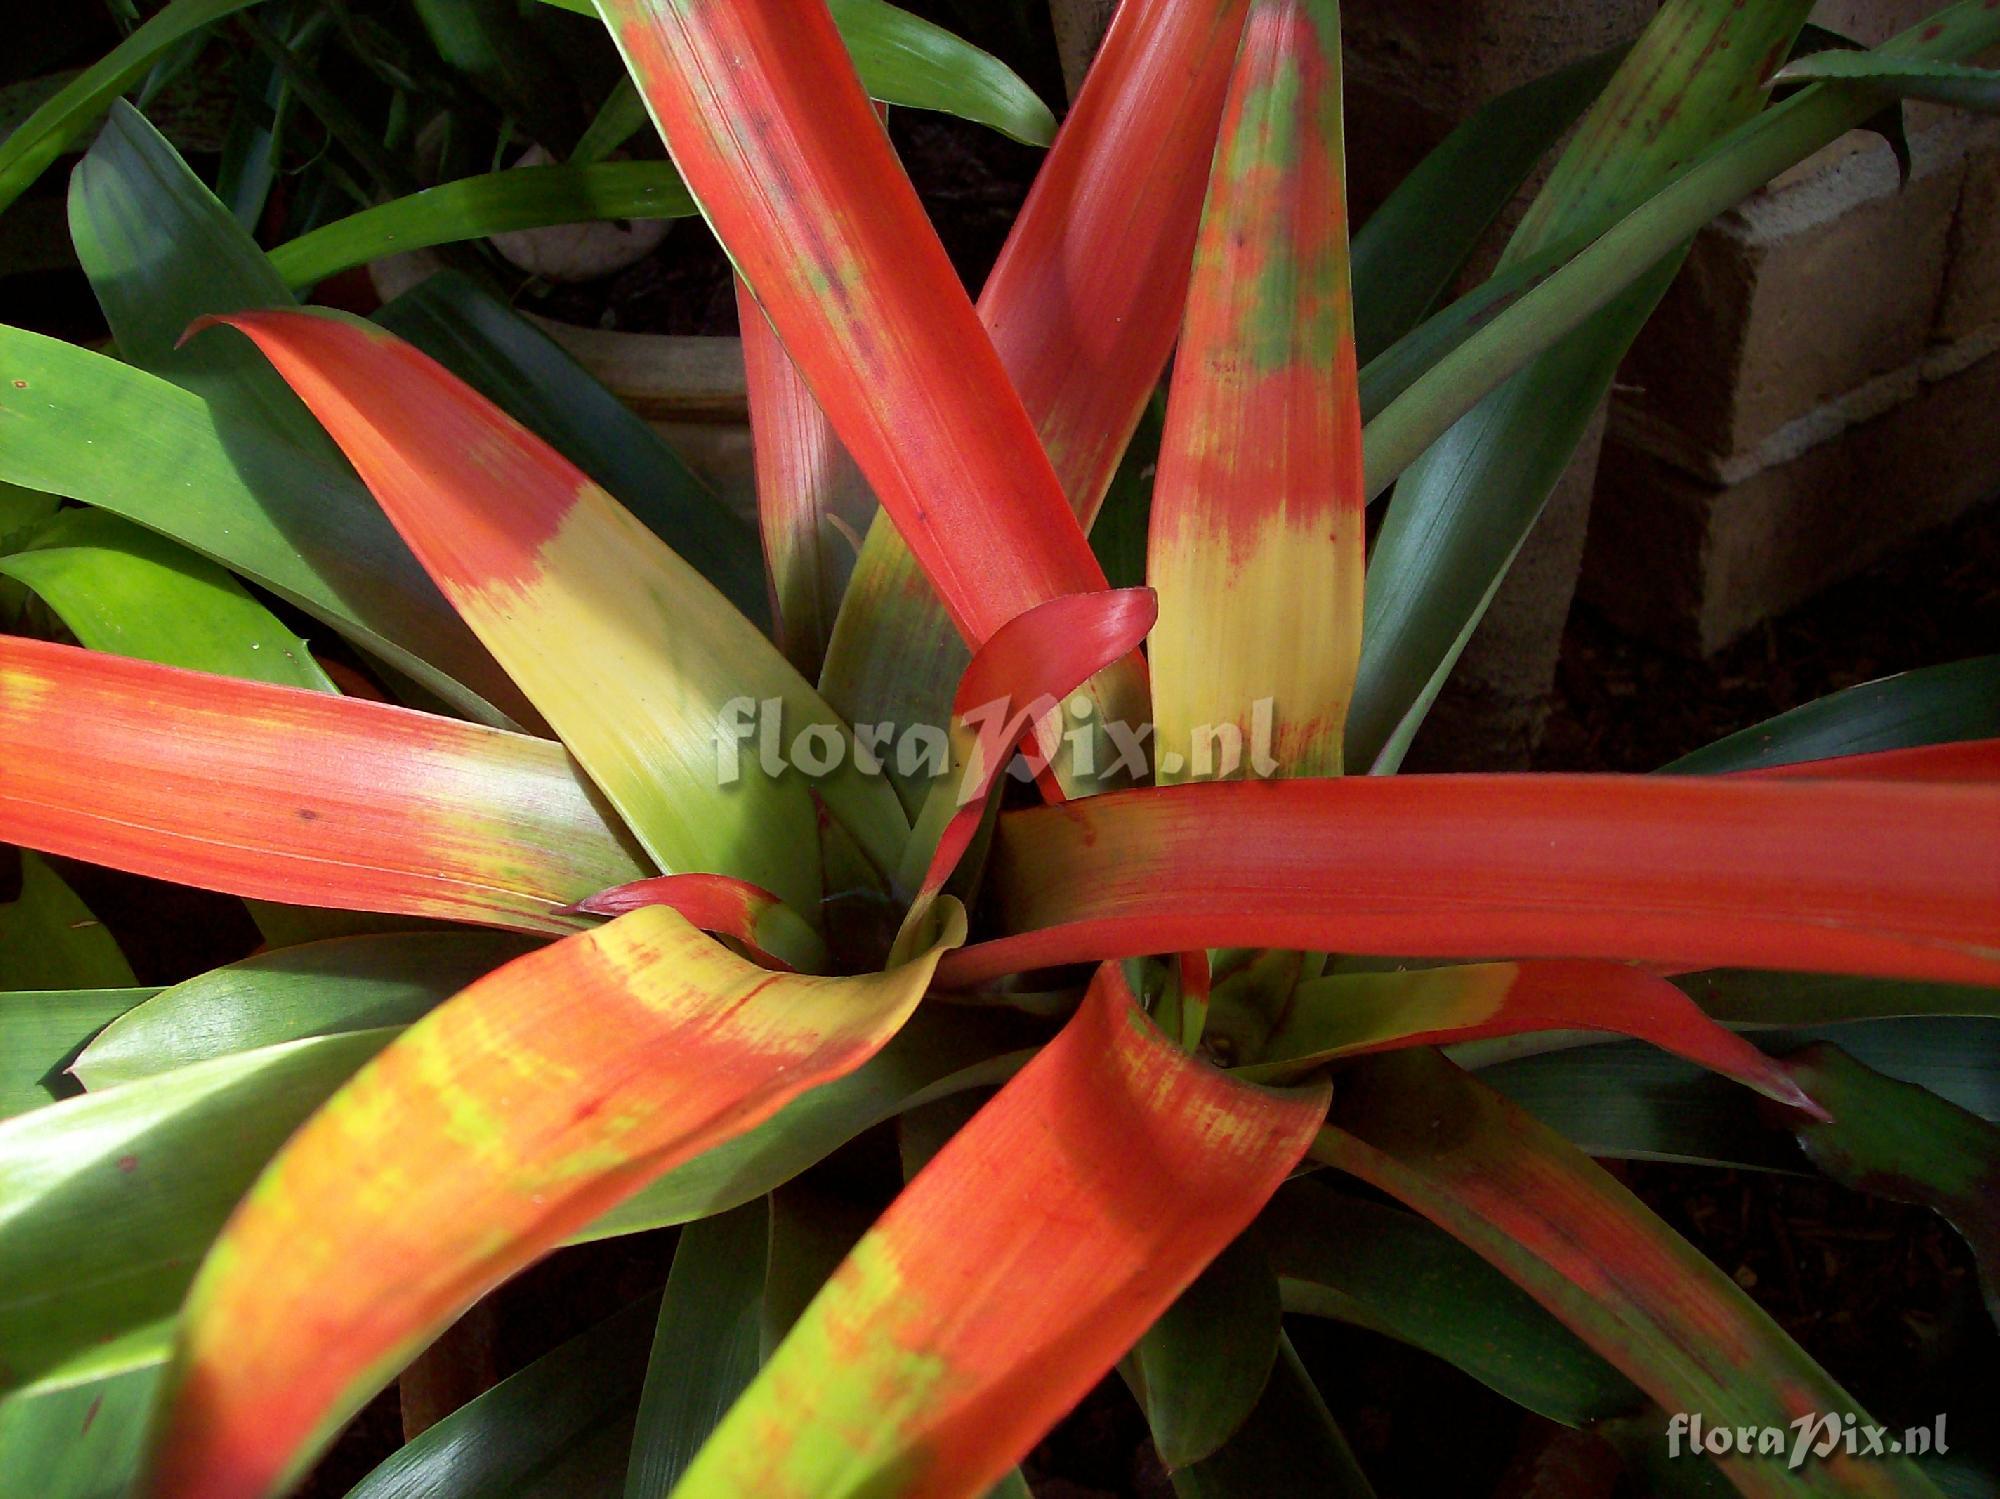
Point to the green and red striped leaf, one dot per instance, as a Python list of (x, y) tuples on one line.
[(482, 1137), (760, 107), (281, 794), (1356, 1013), (1256, 546), (1083, 305), (1555, 1224), (1014, 1270), (1839, 876), (631, 655)]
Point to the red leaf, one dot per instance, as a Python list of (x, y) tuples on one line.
[(1823, 876), (280, 794), (760, 107)]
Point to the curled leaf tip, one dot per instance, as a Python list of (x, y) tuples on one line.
[(200, 325)]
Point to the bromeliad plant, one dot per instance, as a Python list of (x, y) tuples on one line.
[(692, 923)]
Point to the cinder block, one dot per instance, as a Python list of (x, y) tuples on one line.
[(1971, 302), (1811, 291), (1872, 22), (1492, 711), (1692, 565), (1079, 27)]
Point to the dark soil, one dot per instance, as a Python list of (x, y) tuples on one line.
[(1623, 706)]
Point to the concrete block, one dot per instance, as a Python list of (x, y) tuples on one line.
[(1079, 27), (1872, 22), (1692, 565), (1811, 291), (1492, 711), (1971, 301)]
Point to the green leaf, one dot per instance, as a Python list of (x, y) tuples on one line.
[(320, 989), (617, 120), (41, 1032), (83, 425), (63, 119), (485, 343), (1947, 83), (1405, 255), (1119, 536), (1290, 1440), (905, 60), (79, 1442), (281, 925), (107, 1201), (813, 1227), (491, 203), (1897, 1140), (124, 589), (498, 47), (1932, 705), (705, 1345), (1633, 1102), (1462, 511), (1750, 999), (1891, 122), (1392, 1272), (49, 939), (21, 508), (554, 1430), (1202, 1367), (161, 251), (1402, 364), (252, 150)]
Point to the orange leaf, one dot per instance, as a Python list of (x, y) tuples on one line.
[(1016, 1268)]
